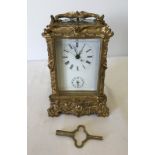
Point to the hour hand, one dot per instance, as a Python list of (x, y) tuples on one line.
[(72, 47), (69, 52)]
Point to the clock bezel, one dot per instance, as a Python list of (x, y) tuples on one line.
[(77, 103), (78, 92)]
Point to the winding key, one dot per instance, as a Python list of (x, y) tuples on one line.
[(72, 134)]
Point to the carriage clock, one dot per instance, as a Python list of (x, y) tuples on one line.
[(77, 45)]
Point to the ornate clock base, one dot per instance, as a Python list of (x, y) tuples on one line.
[(78, 105)]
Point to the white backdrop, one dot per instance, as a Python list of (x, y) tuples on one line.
[(39, 11)]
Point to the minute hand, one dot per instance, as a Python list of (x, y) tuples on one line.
[(82, 49), (75, 50)]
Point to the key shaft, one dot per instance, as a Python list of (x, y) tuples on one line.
[(94, 137), (64, 133)]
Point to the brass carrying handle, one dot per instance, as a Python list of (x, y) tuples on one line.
[(78, 15)]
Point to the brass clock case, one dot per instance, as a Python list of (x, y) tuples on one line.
[(77, 25)]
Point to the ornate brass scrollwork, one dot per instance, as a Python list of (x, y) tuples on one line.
[(82, 104)]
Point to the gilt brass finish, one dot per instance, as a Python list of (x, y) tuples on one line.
[(72, 134), (76, 25)]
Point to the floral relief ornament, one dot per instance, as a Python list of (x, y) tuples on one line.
[(78, 105)]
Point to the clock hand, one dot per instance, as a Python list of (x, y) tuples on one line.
[(72, 54), (69, 52), (75, 50), (72, 47), (77, 83), (82, 49)]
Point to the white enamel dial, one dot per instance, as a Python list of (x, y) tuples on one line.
[(78, 82), (77, 64), (77, 56)]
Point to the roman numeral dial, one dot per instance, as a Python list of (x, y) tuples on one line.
[(77, 55)]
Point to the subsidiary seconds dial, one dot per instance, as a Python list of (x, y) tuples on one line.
[(77, 82), (77, 55)]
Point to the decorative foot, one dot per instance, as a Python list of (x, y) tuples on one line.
[(53, 111), (103, 110)]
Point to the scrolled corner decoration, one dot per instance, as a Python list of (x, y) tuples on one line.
[(74, 25)]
